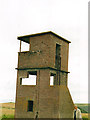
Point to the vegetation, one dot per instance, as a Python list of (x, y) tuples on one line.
[(8, 109), (7, 116), (84, 110), (83, 107)]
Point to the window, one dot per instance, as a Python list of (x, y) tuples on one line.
[(52, 79), (25, 46), (58, 58), (30, 105), (20, 81), (31, 80)]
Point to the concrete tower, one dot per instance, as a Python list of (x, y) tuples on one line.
[(46, 63)]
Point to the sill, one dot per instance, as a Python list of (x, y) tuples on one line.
[(30, 111), (51, 85)]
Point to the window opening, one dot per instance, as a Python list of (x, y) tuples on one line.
[(25, 46), (20, 81), (30, 105), (58, 58), (52, 79), (31, 80)]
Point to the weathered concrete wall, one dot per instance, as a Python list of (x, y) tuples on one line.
[(35, 60), (64, 51), (46, 58), (65, 102), (50, 101), (63, 78), (23, 94)]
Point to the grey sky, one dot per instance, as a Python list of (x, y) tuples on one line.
[(68, 18)]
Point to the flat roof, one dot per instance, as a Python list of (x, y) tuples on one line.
[(25, 38)]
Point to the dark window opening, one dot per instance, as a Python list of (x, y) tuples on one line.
[(58, 58), (30, 105), (20, 81)]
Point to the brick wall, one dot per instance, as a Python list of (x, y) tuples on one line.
[(50, 101)]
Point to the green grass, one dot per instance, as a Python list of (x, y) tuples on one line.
[(85, 118), (83, 107), (8, 110), (84, 110), (7, 116)]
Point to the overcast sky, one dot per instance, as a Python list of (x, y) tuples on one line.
[(67, 18)]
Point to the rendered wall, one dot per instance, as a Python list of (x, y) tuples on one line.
[(50, 101), (46, 58)]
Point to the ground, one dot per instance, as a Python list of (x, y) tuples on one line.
[(7, 110)]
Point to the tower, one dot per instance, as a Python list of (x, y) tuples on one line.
[(46, 62)]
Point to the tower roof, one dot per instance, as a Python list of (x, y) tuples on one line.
[(25, 38)]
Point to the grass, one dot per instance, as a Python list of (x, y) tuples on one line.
[(7, 110), (84, 110), (83, 107), (85, 116), (7, 116)]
